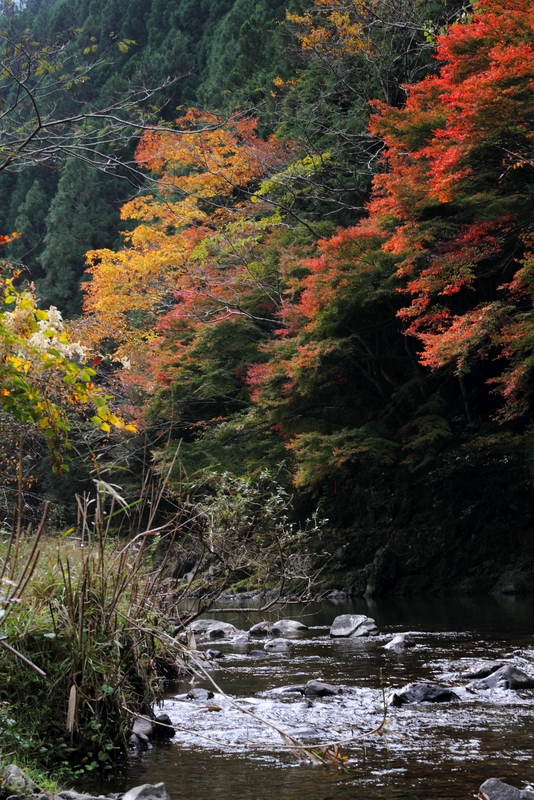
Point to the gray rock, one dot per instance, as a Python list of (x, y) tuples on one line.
[(422, 693), (493, 789), (480, 670), (286, 627), (214, 655), (261, 628), (257, 654), (353, 625), (241, 637), (71, 795), (163, 727), (401, 641), (220, 630), (143, 728), (14, 778), (199, 694), (136, 744), (202, 625), (312, 689), (299, 688), (507, 677), (319, 689), (278, 645), (147, 791)]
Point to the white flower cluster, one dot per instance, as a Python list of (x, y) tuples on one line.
[(21, 322)]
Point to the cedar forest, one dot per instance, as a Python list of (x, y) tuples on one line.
[(314, 262)]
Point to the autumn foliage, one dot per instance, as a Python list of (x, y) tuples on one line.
[(224, 302)]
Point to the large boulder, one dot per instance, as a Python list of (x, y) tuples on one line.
[(148, 791), (422, 693), (353, 626), (507, 677), (494, 789)]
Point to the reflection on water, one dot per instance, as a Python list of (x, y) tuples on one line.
[(441, 751)]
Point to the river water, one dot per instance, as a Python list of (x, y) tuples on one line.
[(426, 751)]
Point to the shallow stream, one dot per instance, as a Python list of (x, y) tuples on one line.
[(429, 751)]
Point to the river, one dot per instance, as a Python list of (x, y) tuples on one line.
[(427, 751)]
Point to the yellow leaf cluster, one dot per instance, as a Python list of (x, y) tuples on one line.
[(336, 27)]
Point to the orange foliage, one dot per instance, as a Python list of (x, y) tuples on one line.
[(194, 255)]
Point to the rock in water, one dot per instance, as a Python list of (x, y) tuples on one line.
[(422, 693), (212, 628), (494, 789), (480, 670), (148, 791), (202, 625), (143, 728), (353, 626), (163, 727), (199, 694), (320, 689), (277, 645), (219, 630), (213, 655), (285, 627), (312, 689), (257, 654), (261, 628), (401, 641), (507, 677)]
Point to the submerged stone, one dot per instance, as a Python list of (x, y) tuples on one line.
[(507, 677), (277, 645), (163, 727), (481, 670), (312, 689), (422, 693), (214, 655), (199, 694), (319, 689), (202, 625), (401, 641), (261, 628), (494, 789), (288, 626)]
